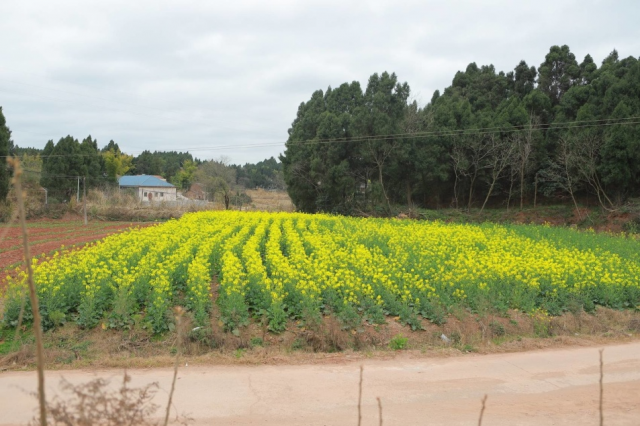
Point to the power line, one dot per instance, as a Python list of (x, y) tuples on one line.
[(467, 132), (45, 176), (353, 139), (413, 135)]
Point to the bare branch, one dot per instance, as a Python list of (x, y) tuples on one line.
[(484, 401)]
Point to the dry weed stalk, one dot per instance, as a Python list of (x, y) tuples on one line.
[(601, 388), (360, 397), (37, 324), (484, 401), (179, 312)]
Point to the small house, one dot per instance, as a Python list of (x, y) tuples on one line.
[(149, 188)]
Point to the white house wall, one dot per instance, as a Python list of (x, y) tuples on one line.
[(159, 194)]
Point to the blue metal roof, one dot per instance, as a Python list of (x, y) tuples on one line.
[(144, 180)]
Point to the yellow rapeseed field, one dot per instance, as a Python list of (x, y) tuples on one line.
[(286, 265)]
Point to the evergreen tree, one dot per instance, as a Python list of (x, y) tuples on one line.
[(488, 136), (111, 146), (160, 163), (558, 73), (93, 164), (62, 165)]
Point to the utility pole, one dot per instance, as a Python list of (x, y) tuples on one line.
[(84, 182), (78, 193)]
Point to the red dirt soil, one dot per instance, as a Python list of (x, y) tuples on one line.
[(45, 236), (40, 235)]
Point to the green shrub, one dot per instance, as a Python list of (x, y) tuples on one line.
[(256, 341), (497, 328), (398, 342)]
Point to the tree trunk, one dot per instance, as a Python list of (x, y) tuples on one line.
[(570, 189), (575, 203), (510, 193), (455, 190), (473, 180), (493, 183), (604, 194), (384, 192), (522, 185)]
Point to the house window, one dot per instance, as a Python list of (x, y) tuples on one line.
[(145, 194), (162, 194)]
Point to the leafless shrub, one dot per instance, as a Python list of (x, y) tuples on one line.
[(95, 403), (327, 336)]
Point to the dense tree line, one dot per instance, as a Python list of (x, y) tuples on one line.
[(58, 166), (266, 174), (160, 163), (6, 146), (63, 162), (562, 130)]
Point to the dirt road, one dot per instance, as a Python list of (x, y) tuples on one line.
[(551, 387)]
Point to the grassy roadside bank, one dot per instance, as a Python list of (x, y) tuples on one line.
[(70, 347)]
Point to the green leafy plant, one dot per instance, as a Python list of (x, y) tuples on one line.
[(398, 342), (497, 328), (256, 341)]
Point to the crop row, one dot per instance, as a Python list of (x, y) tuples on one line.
[(282, 266)]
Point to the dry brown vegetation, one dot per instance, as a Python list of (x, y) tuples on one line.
[(271, 201), (118, 205)]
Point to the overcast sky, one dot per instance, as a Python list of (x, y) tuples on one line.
[(209, 75)]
